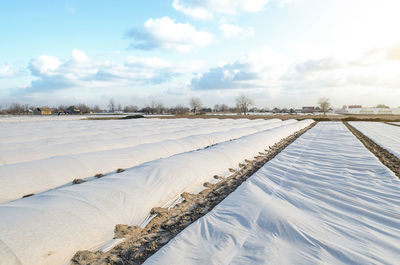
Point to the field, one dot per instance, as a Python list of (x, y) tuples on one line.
[(199, 191)]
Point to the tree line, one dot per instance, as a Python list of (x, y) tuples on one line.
[(243, 105)]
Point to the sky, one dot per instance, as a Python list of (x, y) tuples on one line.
[(279, 53)]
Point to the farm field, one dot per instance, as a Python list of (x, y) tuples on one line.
[(51, 169), (49, 227), (324, 198)]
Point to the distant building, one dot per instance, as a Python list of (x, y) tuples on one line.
[(366, 111), (355, 106), (73, 110), (42, 111), (384, 111), (276, 110), (308, 109)]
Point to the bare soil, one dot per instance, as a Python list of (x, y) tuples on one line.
[(398, 125), (139, 244), (386, 158)]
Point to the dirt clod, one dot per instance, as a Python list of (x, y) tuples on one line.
[(122, 231), (78, 181)]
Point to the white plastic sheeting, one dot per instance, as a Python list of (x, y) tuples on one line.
[(325, 199), (56, 132), (385, 135), (17, 180), (60, 133), (50, 227), (128, 134)]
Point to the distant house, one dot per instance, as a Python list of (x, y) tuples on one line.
[(308, 109), (276, 110), (355, 106), (366, 111), (42, 111), (384, 111), (73, 110)]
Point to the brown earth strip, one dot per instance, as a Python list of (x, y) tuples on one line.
[(139, 244), (386, 158), (398, 125)]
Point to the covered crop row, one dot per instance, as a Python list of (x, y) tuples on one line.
[(17, 180), (133, 137), (385, 135), (325, 199), (50, 227), (57, 132), (23, 132)]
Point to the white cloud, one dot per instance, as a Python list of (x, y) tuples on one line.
[(194, 11), (6, 70), (257, 70), (44, 65), (167, 35), (206, 8), (281, 79), (233, 31), (82, 72)]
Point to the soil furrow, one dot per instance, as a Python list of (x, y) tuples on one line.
[(398, 125), (139, 244), (386, 158)]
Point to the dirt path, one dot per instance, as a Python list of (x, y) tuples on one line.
[(387, 158), (139, 244)]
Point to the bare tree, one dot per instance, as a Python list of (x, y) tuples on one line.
[(243, 103), (383, 106), (83, 108), (324, 104), (119, 107), (195, 104), (179, 110), (155, 106), (16, 108), (131, 109), (96, 109), (111, 105)]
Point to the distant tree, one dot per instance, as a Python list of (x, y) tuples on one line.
[(119, 107), (96, 109), (155, 106), (83, 108), (223, 108), (344, 107), (131, 108), (111, 105), (160, 108), (179, 110), (16, 108), (195, 104), (324, 104), (146, 110), (382, 106), (243, 104)]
